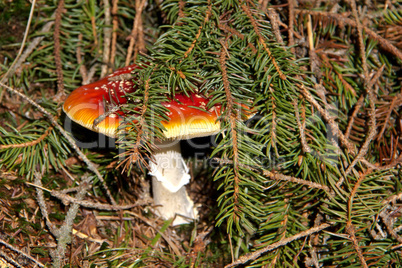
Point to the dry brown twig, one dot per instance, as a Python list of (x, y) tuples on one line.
[(371, 96), (357, 107), (136, 33), (290, 28), (11, 70), (274, 18), (83, 69), (302, 127), (329, 119), (60, 96), (107, 32), (385, 44), (115, 26), (389, 225), (7, 245), (67, 200), (254, 255), (350, 229)]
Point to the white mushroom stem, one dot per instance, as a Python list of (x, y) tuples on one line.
[(169, 177)]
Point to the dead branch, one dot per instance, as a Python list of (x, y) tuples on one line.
[(384, 43), (60, 96), (254, 255), (21, 253)]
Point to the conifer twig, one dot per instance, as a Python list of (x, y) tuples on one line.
[(83, 69), (197, 36), (115, 26), (65, 230), (21, 253), (389, 224), (274, 17), (254, 255), (42, 204), (26, 144), (357, 107), (291, 21), (134, 152), (273, 124), (277, 176), (135, 33), (231, 117), (52, 119), (302, 127), (384, 43), (254, 23), (369, 90), (13, 65), (57, 57), (226, 28), (328, 118), (30, 48), (107, 32), (350, 229), (10, 260)]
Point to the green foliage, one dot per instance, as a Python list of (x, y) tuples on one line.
[(292, 127)]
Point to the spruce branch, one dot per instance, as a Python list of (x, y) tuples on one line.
[(231, 118), (253, 21), (26, 144), (197, 36), (53, 120), (350, 228), (384, 43), (182, 4), (133, 154), (278, 176), (330, 119), (371, 96), (254, 255), (226, 28)]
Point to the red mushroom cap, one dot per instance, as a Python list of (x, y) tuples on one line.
[(87, 103)]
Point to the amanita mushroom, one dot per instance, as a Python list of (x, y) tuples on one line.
[(90, 102)]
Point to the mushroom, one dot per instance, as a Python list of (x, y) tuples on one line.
[(89, 106)]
